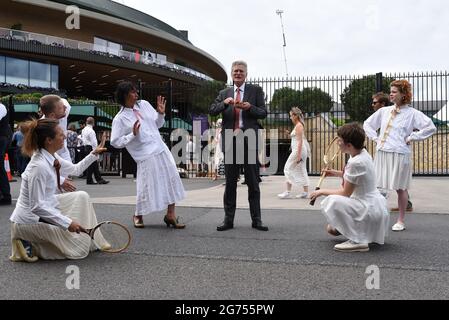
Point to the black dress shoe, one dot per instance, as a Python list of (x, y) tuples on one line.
[(260, 227), (225, 226), (91, 182), (103, 182)]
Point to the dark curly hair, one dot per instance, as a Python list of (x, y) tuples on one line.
[(122, 91)]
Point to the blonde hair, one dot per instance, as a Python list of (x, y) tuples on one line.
[(297, 112)]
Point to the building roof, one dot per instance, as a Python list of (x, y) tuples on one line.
[(124, 12)]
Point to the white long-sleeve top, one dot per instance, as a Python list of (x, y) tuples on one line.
[(402, 129), (64, 152), (37, 198), (89, 137), (148, 141), (3, 111)]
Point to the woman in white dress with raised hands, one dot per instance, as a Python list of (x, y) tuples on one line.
[(44, 224), (295, 169), (399, 125), (136, 128), (357, 210)]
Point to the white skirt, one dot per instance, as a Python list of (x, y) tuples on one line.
[(393, 170), (158, 183), (50, 242), (296, 173), (360, 221)]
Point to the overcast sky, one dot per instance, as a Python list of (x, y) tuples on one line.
[(323, 37)]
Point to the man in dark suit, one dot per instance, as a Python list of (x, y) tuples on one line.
[(241, 106), (5, 140)]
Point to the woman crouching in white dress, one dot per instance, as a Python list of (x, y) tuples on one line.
[(44, 224), (357, 211), (136, 128), (295, 170)]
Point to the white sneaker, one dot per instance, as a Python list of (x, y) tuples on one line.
[(303, 195), (399, 226), (285, 195), (351, 246)]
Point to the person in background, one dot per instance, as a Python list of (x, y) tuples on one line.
[(21, 160), (90, 143), (53, 107), (72, 141), (295, 169), (5, 140)]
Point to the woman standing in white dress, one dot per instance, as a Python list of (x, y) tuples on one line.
[(49, 224), (357, 211), (136, 127), (295, 169), (399, 126)]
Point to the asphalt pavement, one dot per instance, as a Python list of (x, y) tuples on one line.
[(294, 260)]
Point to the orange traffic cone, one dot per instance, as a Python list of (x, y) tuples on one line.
[(7, 169)]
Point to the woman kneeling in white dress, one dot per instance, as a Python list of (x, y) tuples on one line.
[(357, 211), (44, 224)]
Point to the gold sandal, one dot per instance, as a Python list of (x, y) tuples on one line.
[(138, 222)]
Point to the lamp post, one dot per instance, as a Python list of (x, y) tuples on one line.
[(280, 12)]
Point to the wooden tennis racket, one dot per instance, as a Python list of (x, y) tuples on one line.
[(332, 151), (110, 236)]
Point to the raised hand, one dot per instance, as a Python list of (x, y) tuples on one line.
[(161, 102), (136, 127)]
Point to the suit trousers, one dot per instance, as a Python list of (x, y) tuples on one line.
[(232, 172), (93, 168), (4, 183)]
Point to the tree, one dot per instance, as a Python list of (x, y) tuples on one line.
[(284, 99), (314, 100), (357, 96), (205, 95)]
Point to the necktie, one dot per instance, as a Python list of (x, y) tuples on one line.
[(237, 111), (57, 166), (393, 115)]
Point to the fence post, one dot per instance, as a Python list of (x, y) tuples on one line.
[(379, 80), (168, 111)]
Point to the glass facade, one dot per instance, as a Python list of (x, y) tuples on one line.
[(55, 77), (30, 73), (39, 74), (17, 71), (2, 69), (107, 46)]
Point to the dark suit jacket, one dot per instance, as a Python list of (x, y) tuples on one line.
[(254, 95)]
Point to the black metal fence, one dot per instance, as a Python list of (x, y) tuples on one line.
[(327, 102)]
